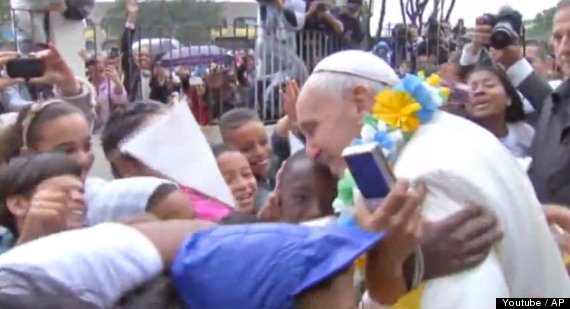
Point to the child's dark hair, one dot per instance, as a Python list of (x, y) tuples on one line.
[(220, 149), (299, 156), (26, 131), (235, 119), (515, 111), (22, 174), (125, 122)]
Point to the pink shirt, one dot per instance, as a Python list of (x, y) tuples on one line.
[(108, 99), (206, 208)]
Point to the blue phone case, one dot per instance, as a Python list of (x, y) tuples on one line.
[(369, 168)]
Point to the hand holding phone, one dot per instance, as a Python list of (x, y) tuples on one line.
[(370, 170), (25, 67)]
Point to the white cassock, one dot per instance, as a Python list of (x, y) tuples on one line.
[(461, 163)]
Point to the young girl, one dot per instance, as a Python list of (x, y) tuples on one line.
[(41, 194), (242, 129), (59, 126), (124, 124), (496, 106), (239, 177)]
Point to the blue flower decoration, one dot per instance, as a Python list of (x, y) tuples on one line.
[(357, 141), (418, 89), (384, 140)]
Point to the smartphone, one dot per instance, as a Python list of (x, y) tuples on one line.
[(25, 68), (371, 172)]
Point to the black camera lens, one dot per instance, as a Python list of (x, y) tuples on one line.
[(502, 36)]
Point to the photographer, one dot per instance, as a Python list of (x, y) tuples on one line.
[(321, 35), (550, 151), (278, 21), (319, 18), (500, 33)]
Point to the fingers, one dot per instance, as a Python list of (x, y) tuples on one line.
[(558, 215), (7, 82), (395, 199), (458, 219), (7, 56), (478, 226), (482, 244), (473, 261)]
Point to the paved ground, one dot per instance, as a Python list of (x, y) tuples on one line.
[(101, 166)]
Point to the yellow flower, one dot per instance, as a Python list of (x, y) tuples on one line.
[(445, 91), (398, 109), (434, 80)]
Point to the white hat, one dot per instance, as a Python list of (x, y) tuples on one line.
[(359, 64)]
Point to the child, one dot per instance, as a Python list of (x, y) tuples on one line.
[(239, 177), (30, 186), (241, 129), (306, 189)]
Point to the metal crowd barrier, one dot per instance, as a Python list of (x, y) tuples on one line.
[(238, 66), (217, 56)]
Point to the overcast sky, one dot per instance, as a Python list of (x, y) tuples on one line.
[(466, 9), (470, 9)]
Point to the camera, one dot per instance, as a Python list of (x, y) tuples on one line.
[(506, 25)]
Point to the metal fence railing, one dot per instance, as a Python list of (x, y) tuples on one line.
[(212, 69)]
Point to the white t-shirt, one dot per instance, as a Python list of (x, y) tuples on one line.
[(120, 198), (107, 260), (519, 139)]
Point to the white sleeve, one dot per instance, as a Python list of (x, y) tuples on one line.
[(119, 199), (519, 71), (107, 260), (467, 58)]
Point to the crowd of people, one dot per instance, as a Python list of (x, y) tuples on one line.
[(479, 209)]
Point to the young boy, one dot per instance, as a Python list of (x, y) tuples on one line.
[(306, 189), (242, 130)]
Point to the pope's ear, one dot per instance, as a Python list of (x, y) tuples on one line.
[(363, 97)]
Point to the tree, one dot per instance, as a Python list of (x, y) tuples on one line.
[(403, 11), (185, 20), (381, 20), (541, 26), (449, 9), (415, 11)]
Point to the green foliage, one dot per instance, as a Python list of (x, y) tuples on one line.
[(185, 20), (541, 26)]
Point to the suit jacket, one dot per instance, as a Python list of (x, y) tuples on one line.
[(132, 74), (550, 168)]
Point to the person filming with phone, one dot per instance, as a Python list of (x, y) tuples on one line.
[(43, 67), (111, 93)]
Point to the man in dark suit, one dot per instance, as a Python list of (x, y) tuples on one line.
[(550, 168), (136, 64)]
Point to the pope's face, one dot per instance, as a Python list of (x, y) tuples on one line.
[(330, 124)]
